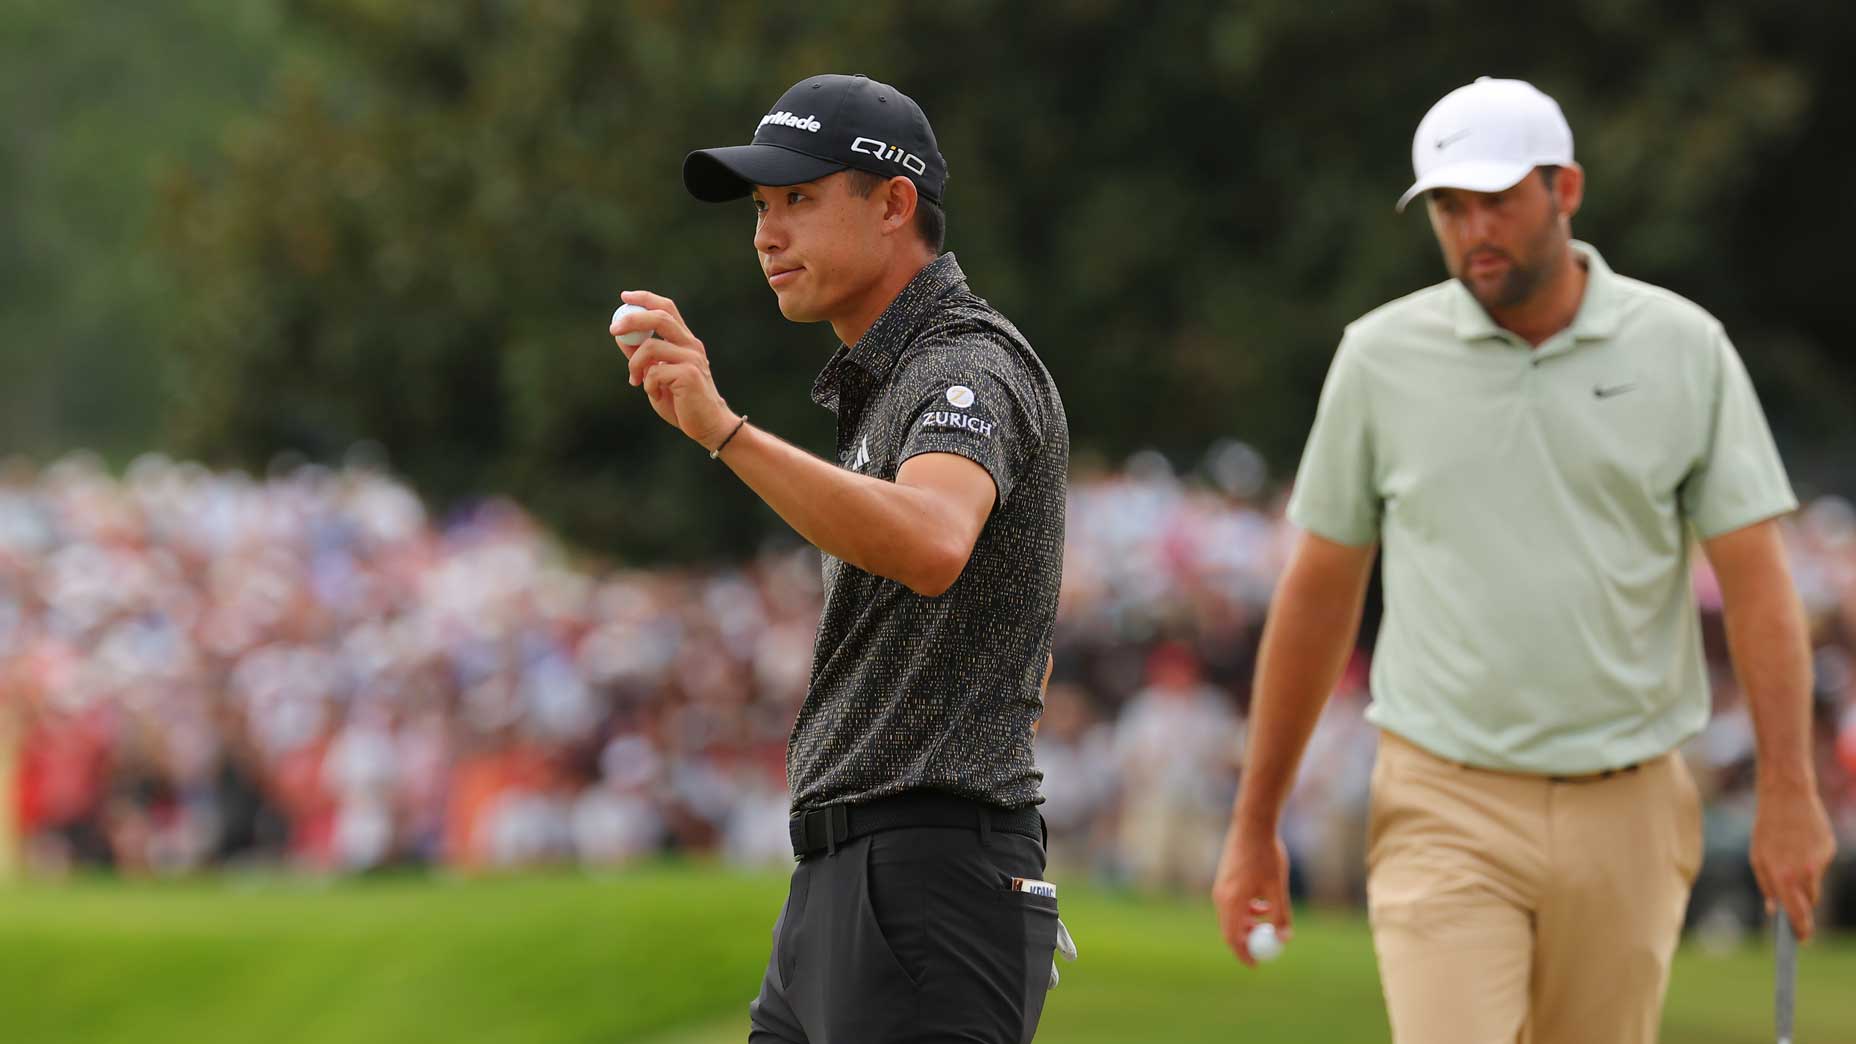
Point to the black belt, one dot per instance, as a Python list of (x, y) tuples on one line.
[(1596, 777), (1583, 777), (824, 829)]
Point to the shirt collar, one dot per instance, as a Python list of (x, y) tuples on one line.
[(1598, 311), (876, 352), (1597, 317)]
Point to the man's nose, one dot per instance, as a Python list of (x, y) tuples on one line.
[(1478, 222), (769, 238)]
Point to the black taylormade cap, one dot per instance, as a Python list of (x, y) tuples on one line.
[(821, 125)]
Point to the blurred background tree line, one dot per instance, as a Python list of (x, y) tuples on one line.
[(291, 226)]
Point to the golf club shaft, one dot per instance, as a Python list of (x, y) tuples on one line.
[(1785, 983)]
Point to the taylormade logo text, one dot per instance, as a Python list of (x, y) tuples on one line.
[(787, 119)]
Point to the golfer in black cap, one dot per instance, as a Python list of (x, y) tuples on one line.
[(917, 911)]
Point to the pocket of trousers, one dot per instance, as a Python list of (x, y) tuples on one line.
[(1689, 833), (1379, 799), (1039, 914), (895, 915), (782, 968), (792, 915)]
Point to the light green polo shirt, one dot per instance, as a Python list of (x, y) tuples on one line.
[(1534, 509)]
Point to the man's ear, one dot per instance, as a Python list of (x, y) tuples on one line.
[(1569, 189), (899, 200)]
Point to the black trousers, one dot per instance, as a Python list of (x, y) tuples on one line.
[(910, 935)]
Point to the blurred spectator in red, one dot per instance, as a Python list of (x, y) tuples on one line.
[(210, 668), (1176, 751)]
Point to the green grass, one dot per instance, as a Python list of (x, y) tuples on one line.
[(671, 955)]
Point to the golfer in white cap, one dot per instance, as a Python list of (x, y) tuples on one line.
[(1535, 442)]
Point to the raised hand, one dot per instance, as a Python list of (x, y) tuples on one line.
[(673, 369)]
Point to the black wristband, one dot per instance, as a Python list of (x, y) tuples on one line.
[(717, 452)]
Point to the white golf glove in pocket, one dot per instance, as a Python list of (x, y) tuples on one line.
[(1065, 946)]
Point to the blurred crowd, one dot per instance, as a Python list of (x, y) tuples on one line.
[(205, 669)]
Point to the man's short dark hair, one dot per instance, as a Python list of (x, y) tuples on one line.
[(930, 219), (1549, 173)]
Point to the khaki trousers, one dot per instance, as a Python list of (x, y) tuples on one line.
[(1511, 908)]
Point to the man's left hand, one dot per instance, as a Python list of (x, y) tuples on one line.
[(1792, 847), (673, 369)]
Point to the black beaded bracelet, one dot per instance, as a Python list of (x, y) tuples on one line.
[(717, 452)]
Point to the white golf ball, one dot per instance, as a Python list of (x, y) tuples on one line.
[(1264, 943), (636, 338)]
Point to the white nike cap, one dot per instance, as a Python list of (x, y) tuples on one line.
[(1486, 136)]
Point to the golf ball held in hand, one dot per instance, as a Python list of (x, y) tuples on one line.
[(636, 337), (1265, 944)]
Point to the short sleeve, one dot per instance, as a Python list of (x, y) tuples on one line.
[(1739, 479), (970, 398), (1336, 492)]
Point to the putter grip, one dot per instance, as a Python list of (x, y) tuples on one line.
[(1785, 982)]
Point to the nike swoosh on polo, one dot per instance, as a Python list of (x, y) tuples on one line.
[(1603, 392)]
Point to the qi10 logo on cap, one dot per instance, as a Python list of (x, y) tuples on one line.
[(885, 151)]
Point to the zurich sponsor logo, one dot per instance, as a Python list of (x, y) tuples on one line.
[(960, 396), (960, 421), (787, 119)]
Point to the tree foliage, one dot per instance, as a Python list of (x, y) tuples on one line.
[(98, 98), (419, 239)]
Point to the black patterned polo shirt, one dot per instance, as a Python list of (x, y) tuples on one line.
[(912, 693)]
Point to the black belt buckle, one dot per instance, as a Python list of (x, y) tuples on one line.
[(824, 828)]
